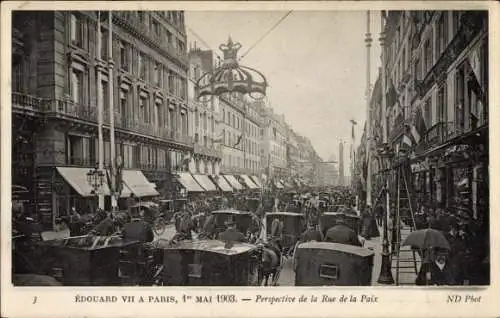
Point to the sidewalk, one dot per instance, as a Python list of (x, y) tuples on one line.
[(376, 244)]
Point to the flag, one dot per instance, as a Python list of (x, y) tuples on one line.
[(238, 141), (406, 142), (419, 128), (391, 95)]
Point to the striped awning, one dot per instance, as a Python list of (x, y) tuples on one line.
[(189, 183), (256, 180), (138, 184), (249, 182), (205, 182), (233, 182), (222, 183)]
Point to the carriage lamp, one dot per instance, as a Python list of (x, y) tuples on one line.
[(95, 179), (384, 155), (231, 77)]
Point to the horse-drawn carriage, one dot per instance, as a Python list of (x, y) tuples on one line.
[(328, 219), (326, 264), (294, 225), (208, 263), (245, 220), (80, 261), (152, 214)]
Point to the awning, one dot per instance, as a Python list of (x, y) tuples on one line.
[(233, 182), (138, 184), (278, 184), (256, 181), (205, 182), (77, 179), (189, 183), (222, 183), (249, 182)]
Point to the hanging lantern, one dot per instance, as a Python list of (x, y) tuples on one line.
[(231, 77)]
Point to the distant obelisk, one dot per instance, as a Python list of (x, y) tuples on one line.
[(341, 164)]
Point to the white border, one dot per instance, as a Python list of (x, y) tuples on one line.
[(392, 301)]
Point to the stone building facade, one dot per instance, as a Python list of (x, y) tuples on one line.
[(55, 70)]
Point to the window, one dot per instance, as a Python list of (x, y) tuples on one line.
[(142, 17), (76, 30), (428, 112), (441, 35), (105, 97), (77, 86), (171, 82), (124, 62), (142, 65), (144, 109), (181, 47), (427, 56), (155, 26), (157, 74), (169, 37), (104, 44), (196, 118), (460, 99), (441, 106), (123, 106)]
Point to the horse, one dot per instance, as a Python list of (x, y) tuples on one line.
[(272, 255)]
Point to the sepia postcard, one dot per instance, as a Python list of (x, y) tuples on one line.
[(240, 159)]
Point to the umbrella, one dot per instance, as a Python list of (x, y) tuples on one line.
[(427, 238)]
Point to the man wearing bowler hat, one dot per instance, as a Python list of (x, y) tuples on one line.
[(231, 233)]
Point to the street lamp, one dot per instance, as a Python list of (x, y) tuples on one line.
[(384, 155), (95, 179)]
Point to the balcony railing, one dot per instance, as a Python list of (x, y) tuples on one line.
[(68, 108), (207, 151), (25, 102), (438, 134)]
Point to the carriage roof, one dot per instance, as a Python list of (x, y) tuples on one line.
[(341, 213), (231, 211), (285, 213), (214, 246), (350, 249)]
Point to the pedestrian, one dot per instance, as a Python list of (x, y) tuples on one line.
[(106, 226), (437, 271)]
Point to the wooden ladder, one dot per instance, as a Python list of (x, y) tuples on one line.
[(407, 260)]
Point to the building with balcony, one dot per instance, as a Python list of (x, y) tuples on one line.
[(203, 116), (274, 143), (58, 74), (437, 96)]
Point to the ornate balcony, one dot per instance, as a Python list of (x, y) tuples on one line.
[(437, 134), (26, 104), (207, 151), (70, 110)]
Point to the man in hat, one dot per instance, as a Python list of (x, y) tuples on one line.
[(138, 229), (231, 233), (438, 271), (342, 234), (311, 234)]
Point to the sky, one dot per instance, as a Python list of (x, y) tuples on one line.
[(314, 61)]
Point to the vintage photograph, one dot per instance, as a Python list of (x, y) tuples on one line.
[(250, 148)]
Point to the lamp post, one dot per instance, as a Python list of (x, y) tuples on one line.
[(383, 157), (95, 178)]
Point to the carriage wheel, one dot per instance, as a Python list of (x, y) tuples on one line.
[(159, 226)]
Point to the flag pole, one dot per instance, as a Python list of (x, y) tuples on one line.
[(111, 112), (368, 41), (100, 108)]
